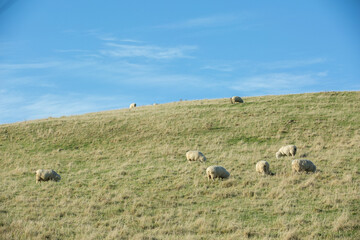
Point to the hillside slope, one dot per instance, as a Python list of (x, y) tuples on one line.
[(125, 175)]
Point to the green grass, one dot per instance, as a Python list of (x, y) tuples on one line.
[(125, 175)]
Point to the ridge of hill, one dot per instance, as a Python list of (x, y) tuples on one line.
[(125, 175)]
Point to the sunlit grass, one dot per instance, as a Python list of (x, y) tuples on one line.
[(125, 174)]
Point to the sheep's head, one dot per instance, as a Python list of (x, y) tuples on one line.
[(57, 177), (278, 155)]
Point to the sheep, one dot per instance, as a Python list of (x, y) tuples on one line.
[(263, 167), (303, 165), (289, 150), (195, 156), (236, 99), (213, 172), (46, 175), (133, 105)]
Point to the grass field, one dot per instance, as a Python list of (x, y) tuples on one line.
[(125, 175)]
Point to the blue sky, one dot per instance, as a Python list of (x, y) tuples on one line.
[(71, 57)]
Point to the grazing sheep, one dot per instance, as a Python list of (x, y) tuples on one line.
[(289, 150), (133, 105), (195, 156), (46, 175), (213, 172), (236, 99), (263, 167), (303, 165)]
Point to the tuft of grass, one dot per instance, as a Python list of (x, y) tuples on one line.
[(125, 174)]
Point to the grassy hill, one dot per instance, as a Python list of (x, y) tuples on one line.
[(125, 175)]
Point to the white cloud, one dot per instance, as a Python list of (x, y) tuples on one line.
[(16, 106), (101, 35), (220, 67), (130, 40), (14, 81), (147, 51), (322, 74), (20, 66), (168, 80), (9, 106), (53, 105), (7, 99), (276, 83), (287, 64), (108, 38), (72, 51), (231, 66), (211, 21)]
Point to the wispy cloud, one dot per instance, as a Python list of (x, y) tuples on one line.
[(287, 64), (127, 48), (130, 40), (107, 38), (276, 83), (51, 105), (19, 66), (322, 74), (232, 66), (220, 67), (94, 33), (7, 99), (211, 21), (101, 35), (147, 51), (26, 81), (9, 106), (72, 51), (60, 105)]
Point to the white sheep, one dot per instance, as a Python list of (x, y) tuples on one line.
[(213, 172), (236, 99), (195, 156), (263, 167), (133, 105), (303, 165), (46, 175), (289, 150)]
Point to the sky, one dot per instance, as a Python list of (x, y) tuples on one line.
[(61, 58)]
